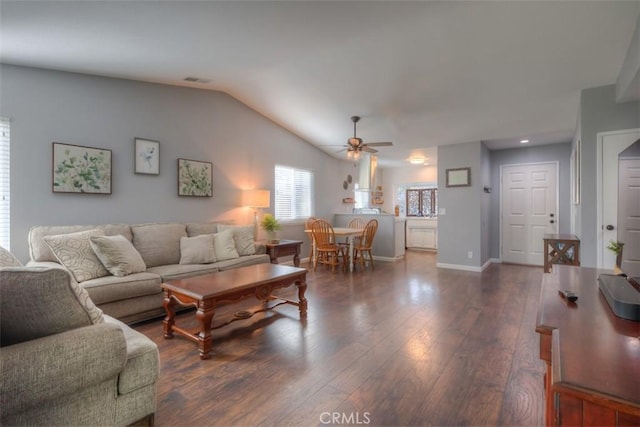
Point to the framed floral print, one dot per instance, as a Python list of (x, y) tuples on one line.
[(147, 157), (79, 169), (195, 178)]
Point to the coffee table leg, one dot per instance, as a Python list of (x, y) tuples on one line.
[(302, 301), (169, 320), (204, 315)]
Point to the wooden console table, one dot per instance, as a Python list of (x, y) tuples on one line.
[(592, 356), (284, 248), (561, 249)]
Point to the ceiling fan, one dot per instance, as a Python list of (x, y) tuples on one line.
[(355, 145)]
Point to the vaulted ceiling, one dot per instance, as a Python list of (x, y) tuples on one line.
[(420, 74)]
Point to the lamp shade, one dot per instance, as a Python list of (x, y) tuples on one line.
[(256, 198)]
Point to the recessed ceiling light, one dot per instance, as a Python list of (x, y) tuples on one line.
[(417, 160), (524, 141)]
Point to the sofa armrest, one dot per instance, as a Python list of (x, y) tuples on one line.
[(36, 371), (45, 264)]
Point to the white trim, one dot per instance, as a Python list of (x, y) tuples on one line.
[(387, 259), (599, 166), (459, 267), (557, 163), (485, 265)]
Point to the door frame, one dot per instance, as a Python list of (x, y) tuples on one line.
[(553, 162), (599, 167)]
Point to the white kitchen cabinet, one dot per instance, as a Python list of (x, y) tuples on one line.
[(422, 233)]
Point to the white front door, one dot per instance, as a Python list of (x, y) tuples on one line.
[(610, 145), (529, 200)]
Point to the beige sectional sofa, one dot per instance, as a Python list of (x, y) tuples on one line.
[(135, 294), (65, 363)]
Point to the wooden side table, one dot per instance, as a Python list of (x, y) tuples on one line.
[(561, 249), (284, 248)]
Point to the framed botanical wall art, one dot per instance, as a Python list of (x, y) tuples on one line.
[(147, 157), (79, 169), (195, 178)]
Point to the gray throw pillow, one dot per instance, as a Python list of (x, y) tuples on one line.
[(242, 236), (225, 246), (197, 249), (7, 259), (118, 255), (74, 251)]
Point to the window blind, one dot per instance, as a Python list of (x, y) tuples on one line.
[(4, 183), (294, 193)]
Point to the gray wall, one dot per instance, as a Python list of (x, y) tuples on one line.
[(598, 113), (487, 211), (46, 106), (460, 231), (533, 154)]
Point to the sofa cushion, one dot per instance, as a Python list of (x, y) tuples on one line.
[(142, 367), (243, 261), (38, 302), (180, 271), (118, 255), (74, 251), (197, 249), (159, 244), (111, 288), (7, 259), (242, 236), (225, 246), (198, 228), (40, 251)]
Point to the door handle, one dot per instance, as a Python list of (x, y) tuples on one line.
[(610, 227), (551, 215), (552, 221)]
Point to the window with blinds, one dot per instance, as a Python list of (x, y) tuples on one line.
[(4, 183), (294, 193)]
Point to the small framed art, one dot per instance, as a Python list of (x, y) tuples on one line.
[(460, 177), (195, 178), (147, 157), (80, 169)]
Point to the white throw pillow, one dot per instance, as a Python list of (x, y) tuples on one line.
[(197, 249), (243, 237), (74, 251), (225, 246), (118, 255), (7, 259)]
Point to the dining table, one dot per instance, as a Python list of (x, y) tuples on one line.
[(347, 232)]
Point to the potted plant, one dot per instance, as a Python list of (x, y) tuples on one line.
[(616, 248), (270, 224)]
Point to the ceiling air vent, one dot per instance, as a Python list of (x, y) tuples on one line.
[(197, 80)]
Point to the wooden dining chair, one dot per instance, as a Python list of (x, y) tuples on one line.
[(364, 244), (307, 226), (328, 251)]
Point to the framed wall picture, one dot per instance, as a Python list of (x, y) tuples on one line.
[(147, 157), (460, 177), (79, 169), (195, 178)]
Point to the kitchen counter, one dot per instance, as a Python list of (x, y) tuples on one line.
[(388, 244)]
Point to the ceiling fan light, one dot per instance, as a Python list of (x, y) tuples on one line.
[(417, 160)]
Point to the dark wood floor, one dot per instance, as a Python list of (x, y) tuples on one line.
[(406, 344)]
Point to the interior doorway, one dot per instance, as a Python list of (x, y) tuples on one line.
[(529, 210), (610, 147)]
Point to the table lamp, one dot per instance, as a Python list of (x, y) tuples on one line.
[(256, 199)]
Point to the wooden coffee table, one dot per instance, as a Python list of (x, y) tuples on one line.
[(208, 291)]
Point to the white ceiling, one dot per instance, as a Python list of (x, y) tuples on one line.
[(420, 74)]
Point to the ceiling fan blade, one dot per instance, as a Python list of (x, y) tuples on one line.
[(368, 149), (379, 144)]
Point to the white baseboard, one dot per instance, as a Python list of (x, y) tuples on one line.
[(459, 267), (387, 259)]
